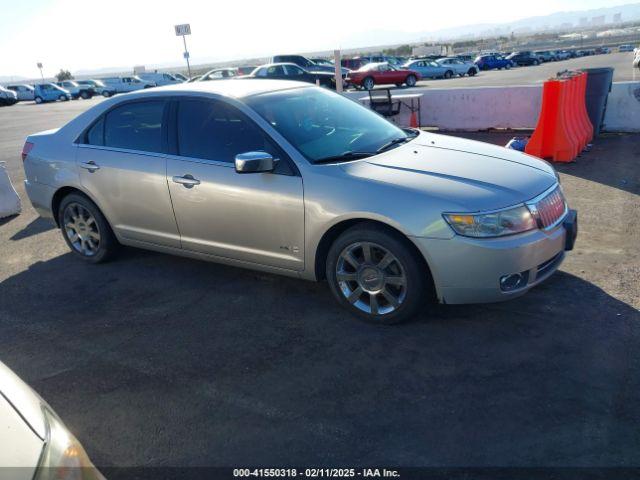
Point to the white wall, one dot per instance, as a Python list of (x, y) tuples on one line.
[(481, 108)]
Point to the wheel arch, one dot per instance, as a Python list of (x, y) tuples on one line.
[(62, 192), (337, 229)]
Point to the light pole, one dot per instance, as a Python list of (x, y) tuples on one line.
[(182, 31), (41, 75)]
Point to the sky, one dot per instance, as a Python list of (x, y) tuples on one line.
[(85, 35)]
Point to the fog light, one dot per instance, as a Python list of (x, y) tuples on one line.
[(514, 281)]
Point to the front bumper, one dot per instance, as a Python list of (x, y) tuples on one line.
[(468, 270)]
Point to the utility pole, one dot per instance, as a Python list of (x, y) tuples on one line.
[(182, 31), (41, 75)]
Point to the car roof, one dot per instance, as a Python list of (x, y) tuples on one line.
[(235, 88)]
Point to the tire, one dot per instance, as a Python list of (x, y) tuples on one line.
[(471, 72), (398, 85), (535, 63), (63, 98), (368, 83), (507, 66), (396, 301), (94, 240), (411, 81), (448, 74), (38, 100), (106, 93), (84, 94)]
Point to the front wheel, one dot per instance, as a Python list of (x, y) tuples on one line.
[(106, 94), (507, 66), (535, 62), (471, 72), (376, 274), (368, 83), (448, 74), (38, 100), (411, 81), (85, 229), (84, 95)]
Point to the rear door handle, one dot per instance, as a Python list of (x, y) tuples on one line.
[(90, 165), (187, 180)]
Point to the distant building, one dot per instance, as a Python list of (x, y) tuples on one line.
[(617, 18), (598, 20), (424, 50), (584, 21), (566, 25)]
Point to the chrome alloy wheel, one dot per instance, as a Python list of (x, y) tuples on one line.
[(81, 229), (371, 278)]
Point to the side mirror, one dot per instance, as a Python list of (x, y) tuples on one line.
[(254, 162)]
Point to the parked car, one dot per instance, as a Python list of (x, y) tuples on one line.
[(602, 50), (23, 92), (374, 74), (390, 217), (545, 56), (491, 62), (35, 442), (219, 74), (625, 48), (523, 58), (636, 59), (96, 85), (456, 66), (50, 92), (353, 63), (246, 69), (180, 77), (426, 68), (563, 55), (291, 71), (308, 65), (7, 97), (115, 85), (76, 89), (159, 79)]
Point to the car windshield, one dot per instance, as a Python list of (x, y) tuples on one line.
[(323, 125)]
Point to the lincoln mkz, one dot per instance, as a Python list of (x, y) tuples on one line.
[(298, 180)]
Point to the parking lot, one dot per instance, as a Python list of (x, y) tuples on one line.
[(154, 360)]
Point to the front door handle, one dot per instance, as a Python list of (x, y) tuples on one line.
[(187, 181), (90, 165)]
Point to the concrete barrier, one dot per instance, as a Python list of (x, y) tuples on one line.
[(623, 108), (482, 108), (9, 200)]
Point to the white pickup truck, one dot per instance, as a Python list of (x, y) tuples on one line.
[(115, 85)]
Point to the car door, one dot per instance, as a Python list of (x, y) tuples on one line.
[(123, 169), (256, 217)]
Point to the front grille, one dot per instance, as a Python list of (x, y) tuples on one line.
[(551, 208)]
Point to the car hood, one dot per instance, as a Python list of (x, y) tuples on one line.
[(465, 174)]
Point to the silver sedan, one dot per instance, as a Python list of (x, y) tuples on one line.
[(298, 180)]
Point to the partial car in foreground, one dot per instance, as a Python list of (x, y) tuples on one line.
[(298, 180), (36, 445), (373, 74)]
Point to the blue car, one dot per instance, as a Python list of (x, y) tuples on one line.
[(50, 92), (426, 68), (490, 62)]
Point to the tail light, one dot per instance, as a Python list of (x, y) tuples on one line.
[(26, 149)]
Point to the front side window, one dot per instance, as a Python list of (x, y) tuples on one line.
[(213, 130), (321, 124), (294, 70), (135, 126)]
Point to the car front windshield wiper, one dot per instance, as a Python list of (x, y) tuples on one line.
[(391, 143), (344, 156)]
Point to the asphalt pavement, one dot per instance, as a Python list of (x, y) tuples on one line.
[(155, 360)]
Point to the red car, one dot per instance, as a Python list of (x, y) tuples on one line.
[(382, 74)]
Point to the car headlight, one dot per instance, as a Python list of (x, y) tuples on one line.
[(63, 456), (492, 224)]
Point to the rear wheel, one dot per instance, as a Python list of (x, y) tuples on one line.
[(507, 66), (84, 94), (106, 94), (38, 100), (368, 83), (471, 72), (63, 98), (85, 229), (376, 275), (448, 74), (411, 81), (535, 62)]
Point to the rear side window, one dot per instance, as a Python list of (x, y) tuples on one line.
[(135, 126), (95, 135)]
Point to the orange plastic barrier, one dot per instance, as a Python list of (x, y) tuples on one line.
[(563, 128)]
